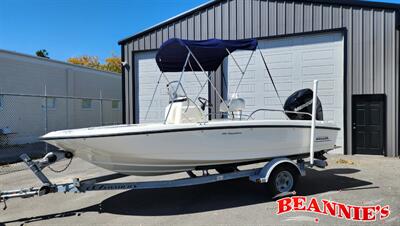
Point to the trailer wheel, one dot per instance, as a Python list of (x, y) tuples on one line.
[(282, 179)]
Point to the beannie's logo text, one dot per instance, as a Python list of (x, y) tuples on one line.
[(331, 208)]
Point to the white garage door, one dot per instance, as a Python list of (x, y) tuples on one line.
[(148, 74), (294, 63)]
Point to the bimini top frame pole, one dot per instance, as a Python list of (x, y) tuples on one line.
[(154, 93), (270, 76), (208, 79), (243, 72)]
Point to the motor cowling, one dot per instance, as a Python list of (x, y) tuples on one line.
[(301, 101)]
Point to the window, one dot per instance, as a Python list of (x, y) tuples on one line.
[(51, 103), (1, 101), (86, 103), (115, 104)]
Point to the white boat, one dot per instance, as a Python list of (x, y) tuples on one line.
[(153, 149), (187, 140)]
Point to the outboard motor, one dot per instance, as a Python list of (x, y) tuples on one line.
[(301, 101)]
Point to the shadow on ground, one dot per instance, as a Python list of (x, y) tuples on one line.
[(208, 197)]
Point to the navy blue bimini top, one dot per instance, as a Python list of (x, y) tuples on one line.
[(210, 53)]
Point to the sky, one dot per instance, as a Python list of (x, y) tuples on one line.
[(69, 28)]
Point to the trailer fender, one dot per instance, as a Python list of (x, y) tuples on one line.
[(263, 175)]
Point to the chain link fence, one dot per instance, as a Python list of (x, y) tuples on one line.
[(26, 117)]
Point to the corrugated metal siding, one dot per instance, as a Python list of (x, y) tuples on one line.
[(371, 40)]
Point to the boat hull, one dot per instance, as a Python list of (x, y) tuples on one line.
[(170, 150)]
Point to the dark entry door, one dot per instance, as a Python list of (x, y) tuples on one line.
[(369, 124)]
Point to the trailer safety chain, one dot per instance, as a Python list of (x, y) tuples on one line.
[(62, 170)]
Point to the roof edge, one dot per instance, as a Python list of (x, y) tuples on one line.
[(174, 18), (360, 3), (56, 61)]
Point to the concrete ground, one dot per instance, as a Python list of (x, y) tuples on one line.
[(11, 153), (357, 180)]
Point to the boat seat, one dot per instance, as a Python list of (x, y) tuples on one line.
[(235, 104), (184, 111)]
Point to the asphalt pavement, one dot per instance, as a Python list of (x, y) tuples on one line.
[(355, 180)]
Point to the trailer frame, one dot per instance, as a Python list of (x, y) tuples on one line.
[(256, 175)]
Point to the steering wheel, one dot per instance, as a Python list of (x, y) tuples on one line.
[(204, 102)]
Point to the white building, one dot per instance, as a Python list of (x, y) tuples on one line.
[(24, 82)]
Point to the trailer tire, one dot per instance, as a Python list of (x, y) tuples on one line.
[(282, 179)]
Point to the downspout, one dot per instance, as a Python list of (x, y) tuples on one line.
[(123, 102)]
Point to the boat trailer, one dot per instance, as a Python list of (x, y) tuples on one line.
[(258, 175)]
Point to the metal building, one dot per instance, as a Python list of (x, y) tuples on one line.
[(39, 95), (351, 46)]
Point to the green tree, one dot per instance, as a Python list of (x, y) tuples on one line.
[(42, 53)]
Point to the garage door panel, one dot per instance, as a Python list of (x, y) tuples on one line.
[(318, 54), (148, 73), (284, 73), (329, 114), (279, 57), (318, 62), (279, 79), (294, 63), (242, 66), (250, 100), (327, 100), (245, 88), (274, 116), (236, 75), (273, 102), (323, 85), (243, 59), (280, 65), (280, 86), (318, 70)]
